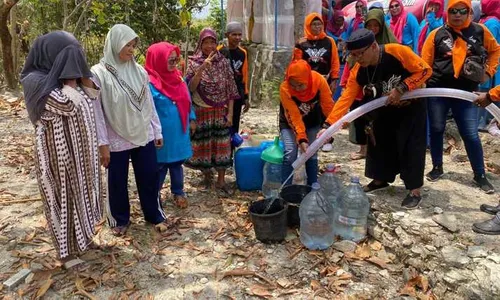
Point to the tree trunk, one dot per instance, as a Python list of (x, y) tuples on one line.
[(15, 40), (299, 14), (6, 38)]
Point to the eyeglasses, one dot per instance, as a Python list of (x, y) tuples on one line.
[(359, 54), (173, 61), (461, 11), (394, 6)]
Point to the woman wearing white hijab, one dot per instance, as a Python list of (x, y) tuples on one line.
[(128, 128)]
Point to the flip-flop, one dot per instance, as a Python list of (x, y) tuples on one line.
[(372, 186), (357, 156), (180, 201), (120, 230)]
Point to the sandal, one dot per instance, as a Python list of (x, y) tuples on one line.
[(357, 156), (180, 201), (163, 227), (224, 188), (372, 186), (120, 230)]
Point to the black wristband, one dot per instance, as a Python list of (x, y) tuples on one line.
[(303, 141), (325, 125)]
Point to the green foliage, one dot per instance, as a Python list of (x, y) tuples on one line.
[(217, 18), (153, 20)]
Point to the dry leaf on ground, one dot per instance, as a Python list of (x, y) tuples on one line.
[(260, 291)]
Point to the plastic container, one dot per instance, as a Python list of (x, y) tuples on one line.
[(272, 173), (351, 213), (331, 185), (248, 167), (293, 195), (316, 220), (270, 227), (300, 175)]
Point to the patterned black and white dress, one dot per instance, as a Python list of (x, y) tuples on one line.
[(68, 171)]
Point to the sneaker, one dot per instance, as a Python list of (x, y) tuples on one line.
[(411, 201), (435, 173), (491, 226), (484, 184), (327, 147)]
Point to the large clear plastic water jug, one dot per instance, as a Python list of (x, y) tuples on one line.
[(272, 180), (331, 185), (316, 219), (272, 173), (351, 213)]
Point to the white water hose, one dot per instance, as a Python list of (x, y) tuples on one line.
[(379, 102)]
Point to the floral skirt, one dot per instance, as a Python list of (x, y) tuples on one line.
[(211, 141)]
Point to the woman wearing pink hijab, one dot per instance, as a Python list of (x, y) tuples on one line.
[(433, 19), (359, 19), (404, 25), (173, 104)]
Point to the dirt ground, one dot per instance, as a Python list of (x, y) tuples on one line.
[(212, 252)]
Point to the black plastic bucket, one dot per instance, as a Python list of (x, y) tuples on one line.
[(270, 227), (293, 195)]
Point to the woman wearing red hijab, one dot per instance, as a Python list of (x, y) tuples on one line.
[(433, 19), (173, 104)]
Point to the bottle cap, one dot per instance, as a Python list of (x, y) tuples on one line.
[(355, 179), (316, 186), (330, 168)]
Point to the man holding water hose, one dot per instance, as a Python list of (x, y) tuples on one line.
[(397, 141), (491, 226)]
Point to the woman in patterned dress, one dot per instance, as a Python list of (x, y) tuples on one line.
[(60, 100), (213, 89)]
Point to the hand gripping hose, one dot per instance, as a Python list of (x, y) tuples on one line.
[(379, 102)]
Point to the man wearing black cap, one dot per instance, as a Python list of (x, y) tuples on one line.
[(397, 141)]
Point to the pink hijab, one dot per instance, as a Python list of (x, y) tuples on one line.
[(423, 32), (358, 19), (169, 83), (490, 9), (332, 27), (398, 22)]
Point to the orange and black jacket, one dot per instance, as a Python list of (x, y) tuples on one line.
[(437, 53), (300, 115), (239, 63), (322, 55), (494, 93), (399, 67)]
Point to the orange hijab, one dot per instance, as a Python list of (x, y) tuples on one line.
[(307, 27), (300, 71), (459, 51)]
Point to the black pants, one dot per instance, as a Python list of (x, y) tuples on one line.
[(400, 137), (357, 133), (237, 106)]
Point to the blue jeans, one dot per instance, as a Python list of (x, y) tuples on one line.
[(176, 176), (465, 115), (291, 151)]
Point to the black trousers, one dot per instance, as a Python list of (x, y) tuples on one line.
[(400, 137)]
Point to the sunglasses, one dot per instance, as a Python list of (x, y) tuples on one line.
[(173, 61), (456, 11), (394, 6)]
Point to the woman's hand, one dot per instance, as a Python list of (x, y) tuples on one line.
[(158, 143), (482, 100), (192, 127), (105, 155), (303, 146), (229, 121), (88, 83), (208, 61)]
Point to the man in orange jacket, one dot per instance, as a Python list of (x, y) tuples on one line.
[(491, 226)]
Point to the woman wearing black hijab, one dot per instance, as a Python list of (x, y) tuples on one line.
[(60, 99)]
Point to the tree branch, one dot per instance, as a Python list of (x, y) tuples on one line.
[(81, 17), (66, 19)]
